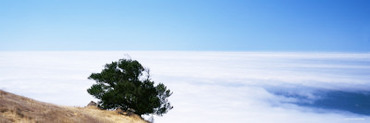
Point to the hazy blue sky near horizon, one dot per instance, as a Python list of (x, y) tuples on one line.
[(201, 25)]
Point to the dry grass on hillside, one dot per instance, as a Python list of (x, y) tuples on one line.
[(14, 108)]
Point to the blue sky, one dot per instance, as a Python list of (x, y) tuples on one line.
[(191, 25)]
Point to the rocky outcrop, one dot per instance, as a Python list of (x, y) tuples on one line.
[(92, 103)]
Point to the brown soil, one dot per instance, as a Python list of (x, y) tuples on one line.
[(14, 108)]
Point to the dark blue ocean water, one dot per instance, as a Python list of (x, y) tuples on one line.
[(357, 102)]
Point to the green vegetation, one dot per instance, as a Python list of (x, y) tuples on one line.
[(126, 84)]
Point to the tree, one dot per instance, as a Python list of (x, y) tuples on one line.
[(126, 84)]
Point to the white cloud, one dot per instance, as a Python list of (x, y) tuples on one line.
[(208, 86)]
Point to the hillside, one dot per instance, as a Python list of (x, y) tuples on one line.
[(14, 108)]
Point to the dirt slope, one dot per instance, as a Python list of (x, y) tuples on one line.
[(14, 108)]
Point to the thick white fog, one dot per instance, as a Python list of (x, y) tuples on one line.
[(215, 87)]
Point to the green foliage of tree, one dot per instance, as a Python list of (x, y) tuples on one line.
[(126, 84)]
